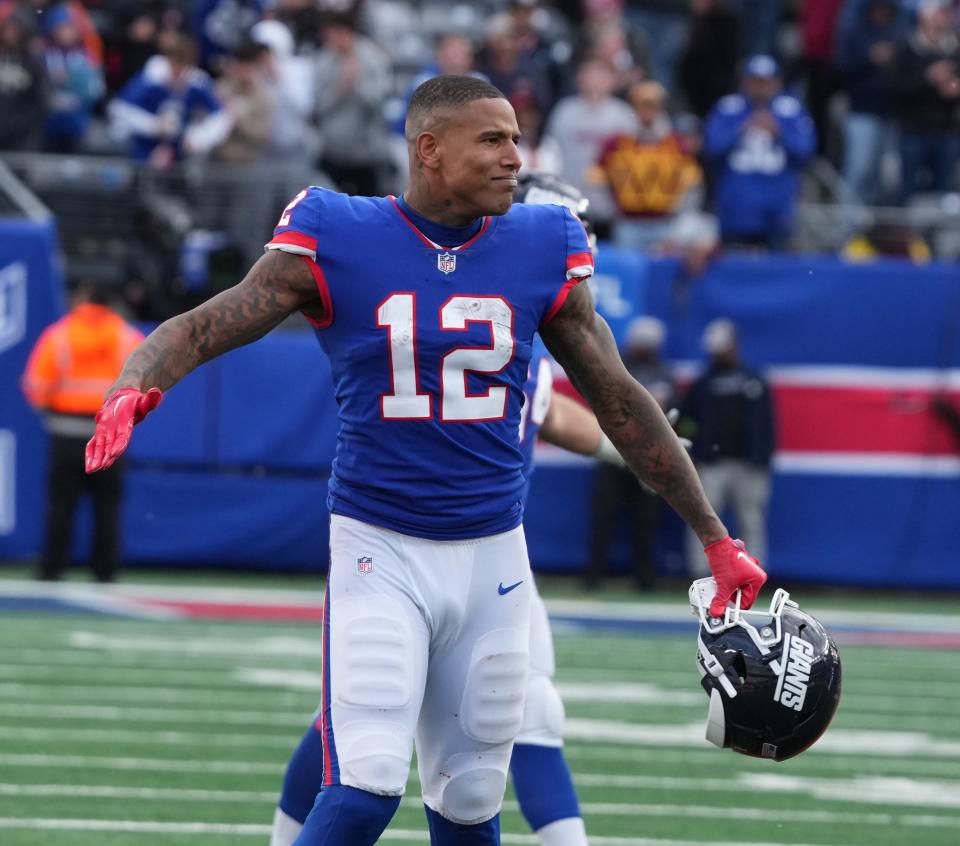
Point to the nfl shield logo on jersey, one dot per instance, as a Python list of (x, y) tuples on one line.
[(447, 262), (365, 564)]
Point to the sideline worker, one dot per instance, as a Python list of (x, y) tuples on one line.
[(70, 368)]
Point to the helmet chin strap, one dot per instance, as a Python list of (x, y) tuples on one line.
[(712, 665)]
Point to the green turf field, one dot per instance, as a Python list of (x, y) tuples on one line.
[(116, 731)]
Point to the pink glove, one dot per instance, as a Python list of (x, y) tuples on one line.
[(115, 421), (733, 567)]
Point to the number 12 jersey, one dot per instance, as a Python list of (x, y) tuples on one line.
[(430, 347)]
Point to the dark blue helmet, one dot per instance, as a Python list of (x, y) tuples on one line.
[(773, 679)]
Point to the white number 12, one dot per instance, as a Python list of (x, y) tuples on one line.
[(397, 314)]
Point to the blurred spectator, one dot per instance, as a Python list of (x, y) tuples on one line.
[(221, 25), (168, 110), (136, 32), (22, 85), (90, 39), (617, 489), (818, 27), (291, 82), (664, 24), (74, 83), (552, 55), (245, 95), (580, 124), (708, 63), (302, 17), (352, 79), (504, 62), (867, 35), (887, 240), (650, 173), (759, 26), (926, 79), (730, 412), (757, 143), (71, 367), (694, 238), (537, 151), (453, 53), (614, 44)]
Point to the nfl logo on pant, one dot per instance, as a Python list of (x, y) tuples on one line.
[(365, 564)]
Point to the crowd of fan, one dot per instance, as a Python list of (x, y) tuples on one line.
[(659, 110)]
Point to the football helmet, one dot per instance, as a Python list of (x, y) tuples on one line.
[(773, 677), (540, 187)]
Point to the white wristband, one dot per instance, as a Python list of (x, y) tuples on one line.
[(608, 452)]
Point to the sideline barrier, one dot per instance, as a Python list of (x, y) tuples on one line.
[(30, 299), (231, 470)]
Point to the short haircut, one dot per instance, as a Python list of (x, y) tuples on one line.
[(443, 94)]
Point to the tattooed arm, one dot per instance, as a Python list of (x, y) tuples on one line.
[(276, 286), (582, 342)]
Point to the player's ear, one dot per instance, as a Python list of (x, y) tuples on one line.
[(427, 148)]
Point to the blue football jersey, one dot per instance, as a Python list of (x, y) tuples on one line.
[(537, 395), (430, 348)]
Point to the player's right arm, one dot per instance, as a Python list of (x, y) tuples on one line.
[(279, 284)]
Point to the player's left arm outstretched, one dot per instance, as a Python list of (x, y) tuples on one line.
[(582, 343), (276, 286)]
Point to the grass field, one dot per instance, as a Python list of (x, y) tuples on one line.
[(156, 732)]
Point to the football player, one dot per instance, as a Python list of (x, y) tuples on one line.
[(427, 306), (541, 776)]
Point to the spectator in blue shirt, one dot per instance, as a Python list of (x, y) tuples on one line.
[(168, 110), (757, 143), (75, 83)]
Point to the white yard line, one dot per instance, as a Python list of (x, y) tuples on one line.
[(837, 740), (163, 765), (708, 758), (298, 719), (191, 739), (406, 835), (870, 790), (589, 809)]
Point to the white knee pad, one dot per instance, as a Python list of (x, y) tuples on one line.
[(473, 786), (491, 710), (371, 650), (374, 756), (543, 714)]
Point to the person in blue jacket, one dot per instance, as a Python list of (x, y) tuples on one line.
[(168, 110), (757, 143)]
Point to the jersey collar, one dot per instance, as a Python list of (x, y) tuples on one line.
[(431, 243)]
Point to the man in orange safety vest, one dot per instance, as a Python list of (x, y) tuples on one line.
[(68, 373)]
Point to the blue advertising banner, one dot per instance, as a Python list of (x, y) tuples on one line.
[(31, 297)]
